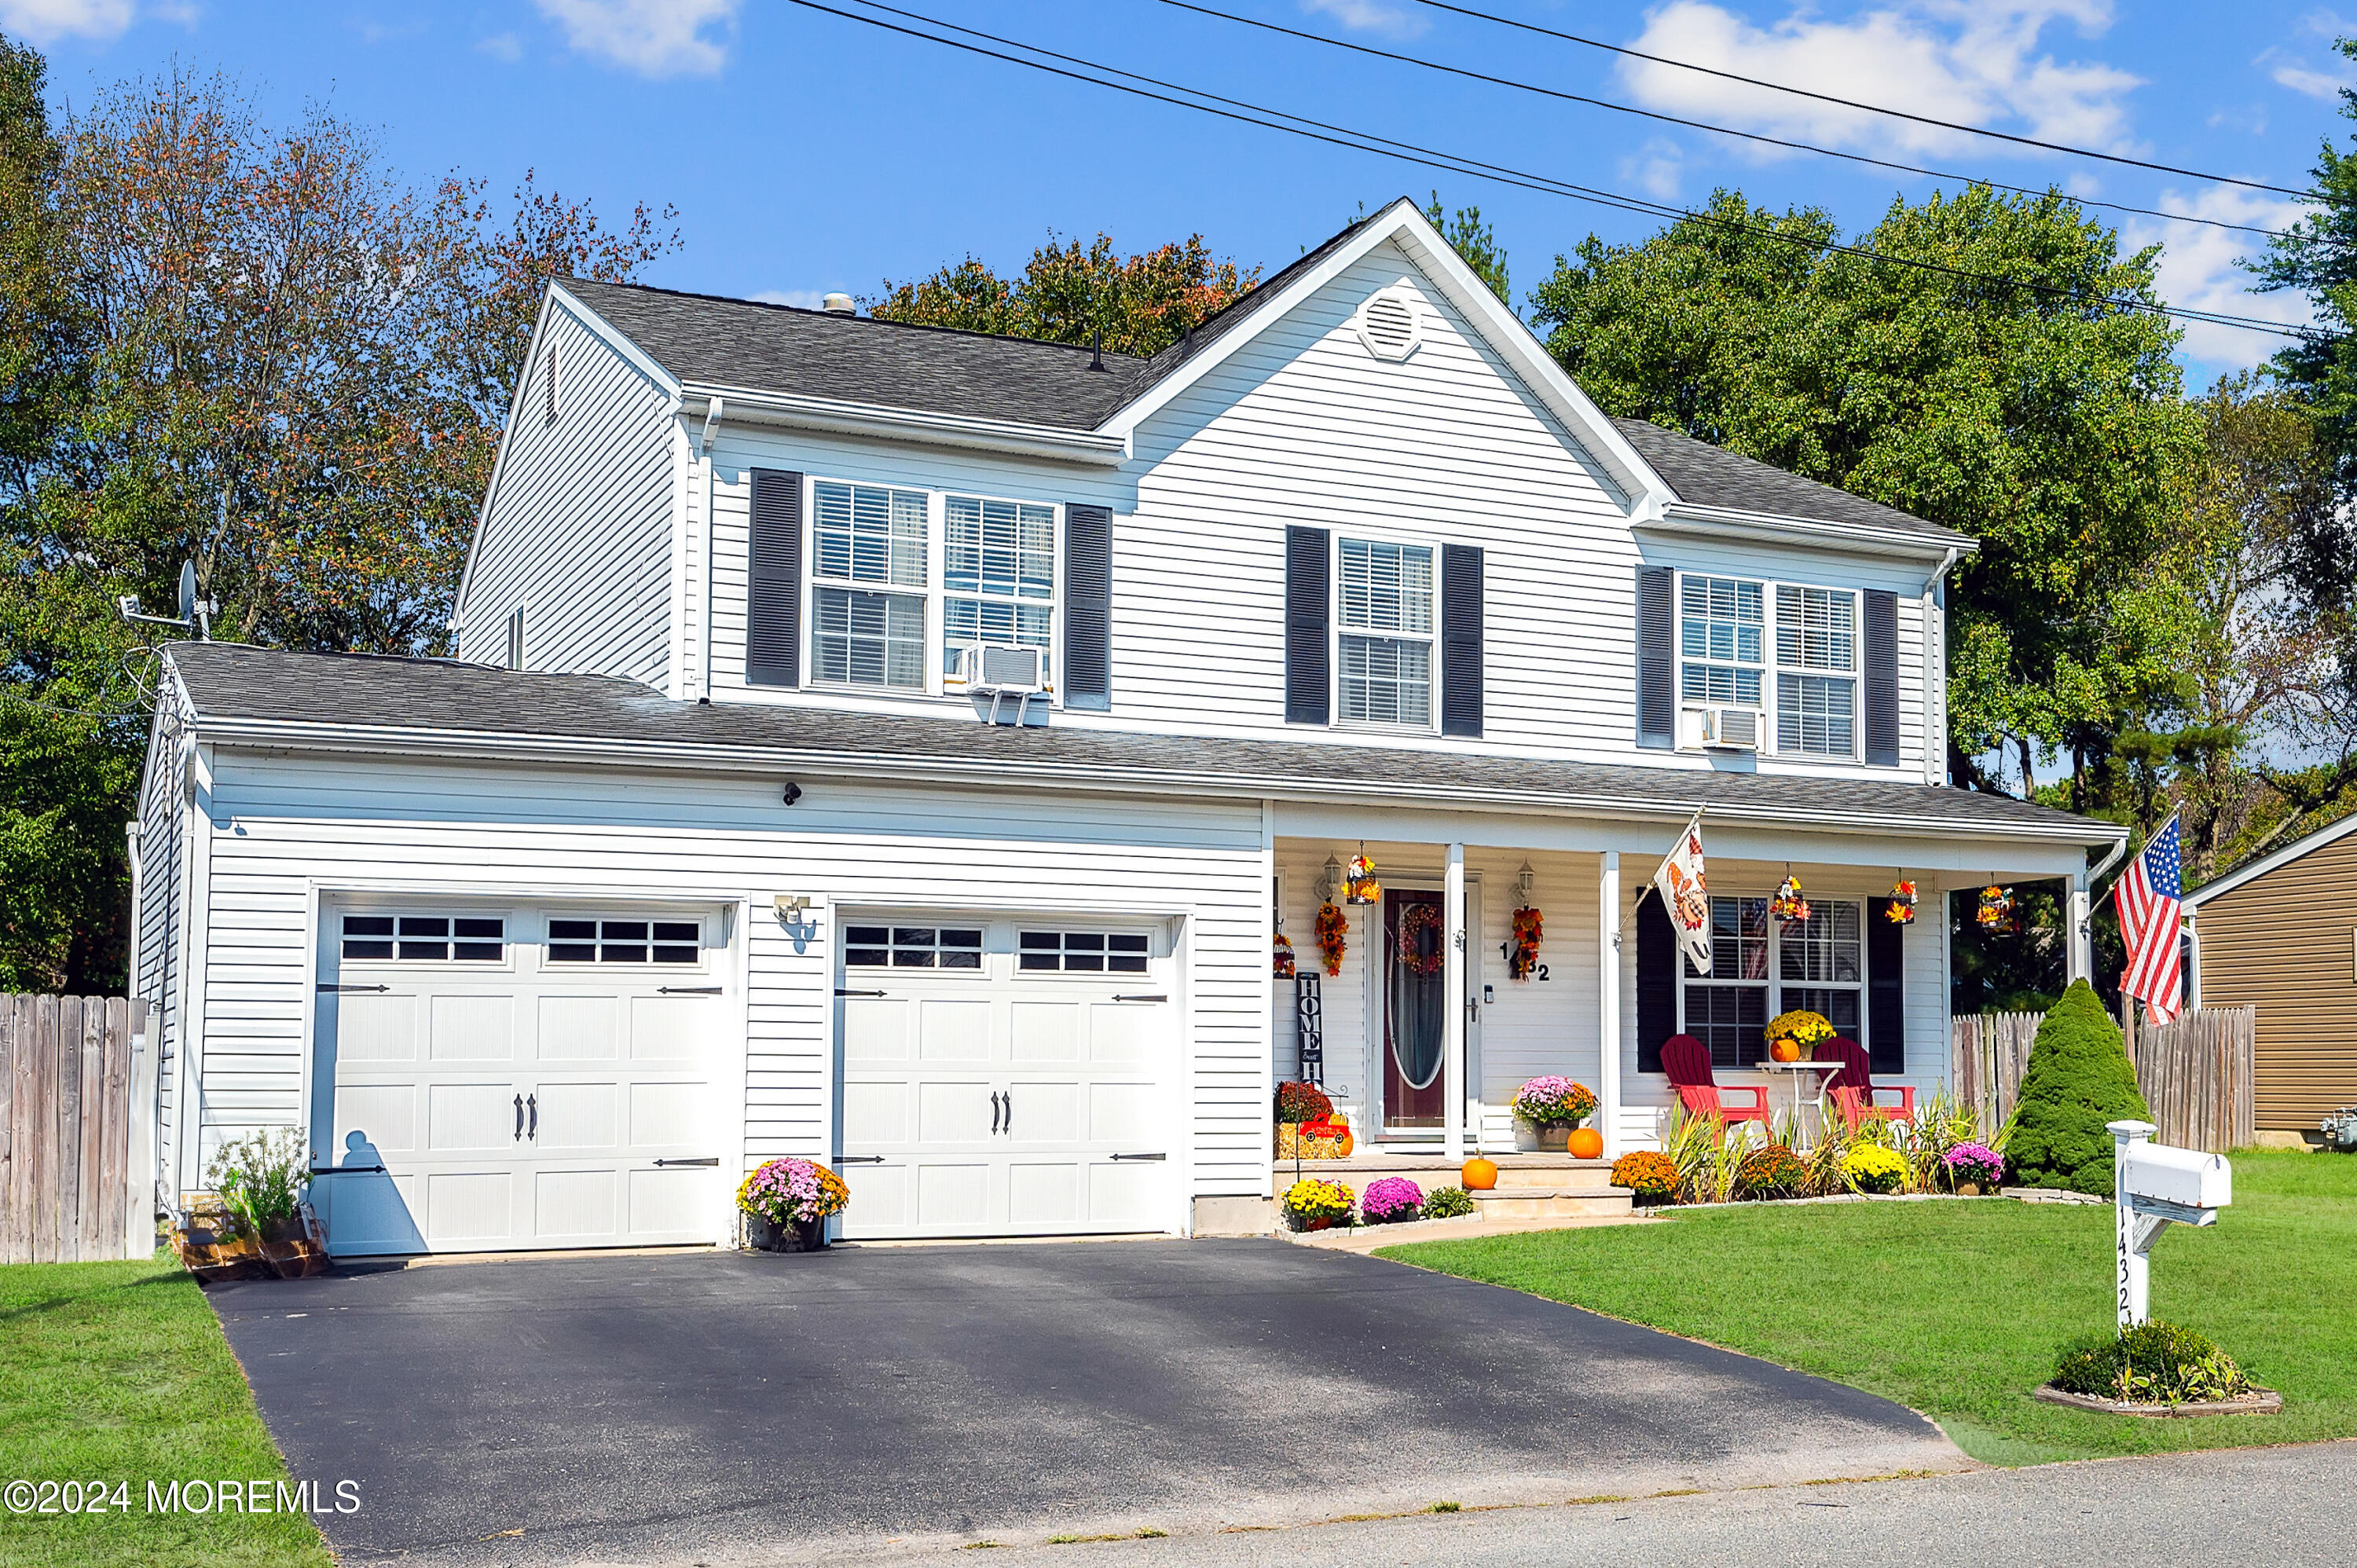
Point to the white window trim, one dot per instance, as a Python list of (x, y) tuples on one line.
[(1775, 982), (936, 593), (1770, 668), (1337, 631)]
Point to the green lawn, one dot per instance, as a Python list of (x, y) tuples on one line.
[(118, 1371), (1958, 1309)]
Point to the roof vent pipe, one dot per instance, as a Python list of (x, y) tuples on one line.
[(839, 305)]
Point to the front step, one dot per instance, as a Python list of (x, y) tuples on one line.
[(1550, 1203), (1520, 1174)]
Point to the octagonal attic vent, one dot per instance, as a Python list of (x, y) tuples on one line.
[(1388, 324)]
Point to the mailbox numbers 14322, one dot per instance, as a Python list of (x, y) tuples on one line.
[(1506, 952)]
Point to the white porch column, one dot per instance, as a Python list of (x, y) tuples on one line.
[(1452, 993), (1608, 1003), (2082, 945)]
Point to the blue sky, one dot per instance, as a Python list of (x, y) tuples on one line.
[(807, 153)]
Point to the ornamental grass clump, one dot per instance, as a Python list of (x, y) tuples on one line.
[(1391, 1200), (260, 1179), (1448, 1203), (1871, 1167), (1314, 1203), (2153, 1363), (2078, 1078), (1771, 1171), (793, 1192), (1707, 1156), (1552, 1101)]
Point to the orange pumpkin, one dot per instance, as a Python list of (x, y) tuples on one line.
[(1480, 1175), (1585, 1144), (1344, 1144), (1785, 1051)]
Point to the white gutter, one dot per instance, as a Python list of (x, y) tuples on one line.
[(698, 757), (748, 406), (1727, 522)]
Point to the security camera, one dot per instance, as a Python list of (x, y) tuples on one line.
[(793, 792)]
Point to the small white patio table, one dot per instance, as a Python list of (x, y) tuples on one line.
[(1798, 1068)]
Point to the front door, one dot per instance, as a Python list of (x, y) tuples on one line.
[(1415, 951)]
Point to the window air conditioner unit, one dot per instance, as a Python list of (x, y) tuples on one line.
[(1731, 729), (1002, 672)]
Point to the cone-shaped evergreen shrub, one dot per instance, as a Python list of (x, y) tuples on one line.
[(2078, 1078)]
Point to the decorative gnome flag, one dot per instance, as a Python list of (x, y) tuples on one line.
[(1680, 881)]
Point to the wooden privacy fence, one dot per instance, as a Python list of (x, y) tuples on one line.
[(77, 1130), (2195, 1072)]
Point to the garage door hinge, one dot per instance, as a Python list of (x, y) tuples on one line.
[(859, 1159), (707, 1160), (1141, 1156), (346, 1170), (1157, 997), (840, 991), (688, 990), (324, 986)]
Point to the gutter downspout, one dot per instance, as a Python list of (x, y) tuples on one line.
[(703, 672), (2083, 915), (1935, 670)]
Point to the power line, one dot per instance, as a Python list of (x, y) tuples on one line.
[(1867, 108), (1703, 124), (1453, 163)]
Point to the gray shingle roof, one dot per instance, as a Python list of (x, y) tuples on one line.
[(228, 681), (1705, 475)]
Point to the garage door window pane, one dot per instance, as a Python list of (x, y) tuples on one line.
[(367, 936), (425, 937), (625, 942), (911, 947), (573, 941), (1082, 952)]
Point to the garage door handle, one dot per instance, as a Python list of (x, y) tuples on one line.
[(994, 1113), (1141, 1156), (1010, 1128), (533, 1103), (518, 1131), (707, 1160), (1158, 997)]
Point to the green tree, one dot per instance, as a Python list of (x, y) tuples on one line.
[(2034, 414), (2078, 1080), (1476, 241), (1136, 305)]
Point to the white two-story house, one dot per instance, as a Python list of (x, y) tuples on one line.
[(904, 748)]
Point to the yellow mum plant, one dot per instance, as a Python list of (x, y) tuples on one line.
[(1801, 1026)]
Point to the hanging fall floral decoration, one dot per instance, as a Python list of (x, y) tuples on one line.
[(1358, 886), (1527, 929), (1415, 920), (1901, 910), (1997, 908), (1286, 969), (1334, 938), (1788, 905)]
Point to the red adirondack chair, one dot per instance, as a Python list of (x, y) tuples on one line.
[(1687, 1061), (1852, 1087)]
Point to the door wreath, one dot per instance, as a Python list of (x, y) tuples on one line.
[(1414, 920)]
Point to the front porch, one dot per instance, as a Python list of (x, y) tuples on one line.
[(1423, 1033)]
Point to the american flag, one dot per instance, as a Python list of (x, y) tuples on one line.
[(2148, 897)]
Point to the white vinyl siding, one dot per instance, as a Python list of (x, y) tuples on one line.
[(579, 531)]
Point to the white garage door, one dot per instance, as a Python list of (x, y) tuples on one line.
[(497, 1080), (1006, 1077)]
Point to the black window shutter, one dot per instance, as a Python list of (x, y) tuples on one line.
[(1882, 678), (1657, 707), (1886, 989), (1657, 982), (1088, 606), (1460, 640), (1308, 680), (773, 591)]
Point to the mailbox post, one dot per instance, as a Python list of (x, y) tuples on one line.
[(2152, 1184)]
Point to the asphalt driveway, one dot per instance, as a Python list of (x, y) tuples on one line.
[(719, 1407)]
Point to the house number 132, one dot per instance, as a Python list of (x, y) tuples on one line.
[(1506, 952)]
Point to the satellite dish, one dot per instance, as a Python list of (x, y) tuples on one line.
[(188, 590)]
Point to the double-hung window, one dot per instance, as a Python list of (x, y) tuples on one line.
[(1816, 671), (1386, 633), (868, 559), (1722, 637), (998, 576), (1760, 968)]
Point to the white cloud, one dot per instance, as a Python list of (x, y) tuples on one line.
[(44, 21), (805, 298), (2314, 83), (653, 38), (503, 46), (2197, 271), (1974, 63), (1655, 168), (1384, 17)]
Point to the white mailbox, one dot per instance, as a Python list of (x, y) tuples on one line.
[(2187, 1178), (2153, 1184)]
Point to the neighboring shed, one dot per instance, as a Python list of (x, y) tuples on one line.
[(2280, 934)]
